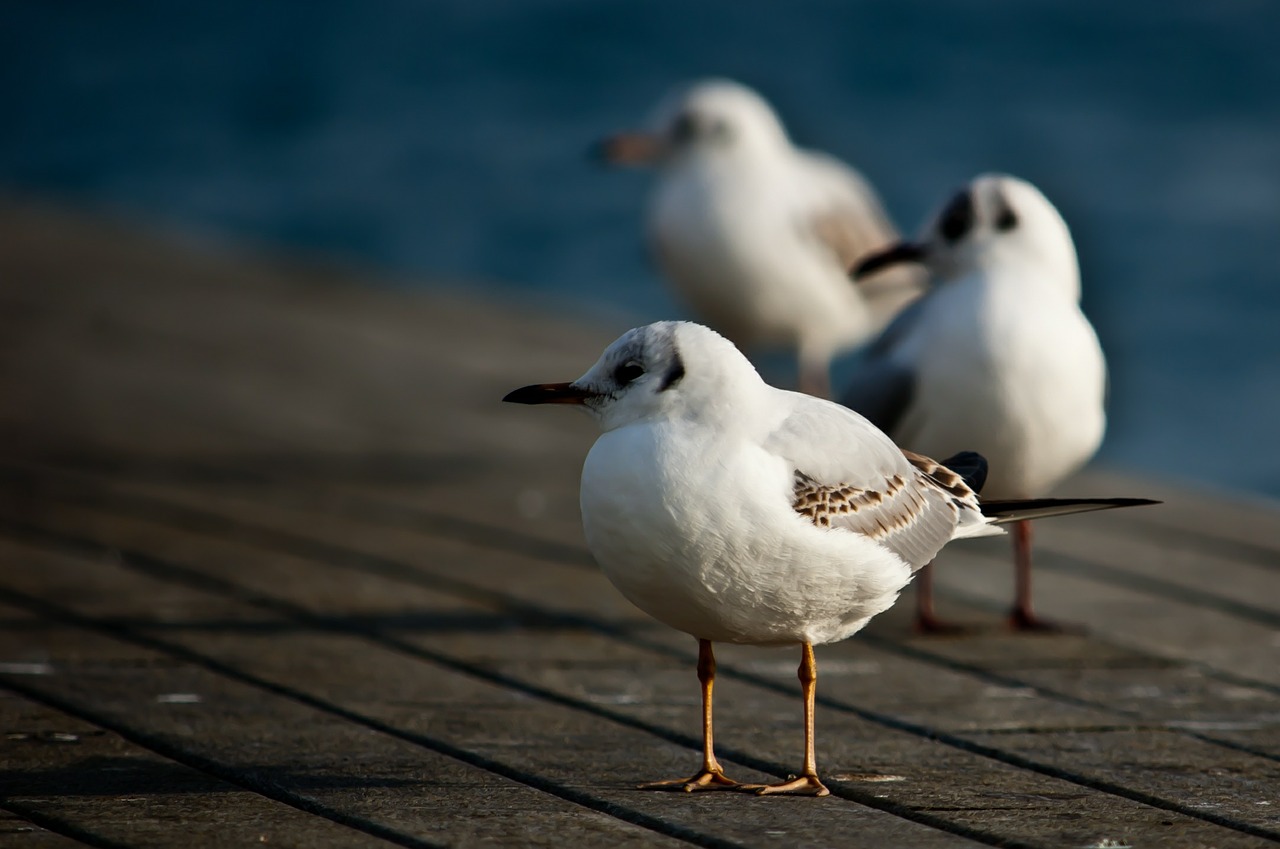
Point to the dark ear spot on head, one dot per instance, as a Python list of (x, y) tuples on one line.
[(1006, 218), (673, 375), (957, 218)]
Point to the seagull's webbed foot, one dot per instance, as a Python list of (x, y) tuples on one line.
[(1026, 622), (933, 626), (706, 779), (805, 785)]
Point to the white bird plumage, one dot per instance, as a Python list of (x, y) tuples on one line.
[(998, 357), (757, 235), (687, 498), (737, 512)]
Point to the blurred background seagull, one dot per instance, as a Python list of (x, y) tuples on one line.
[(997, 358), (756, 235), (737, 512)]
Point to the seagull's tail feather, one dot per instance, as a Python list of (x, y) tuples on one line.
[(1003, 512)]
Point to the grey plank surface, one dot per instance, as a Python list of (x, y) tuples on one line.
[(979, 701), (298, 499), (95, 784)]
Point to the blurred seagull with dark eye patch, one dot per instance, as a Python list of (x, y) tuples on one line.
[(998, 357), (757, 235), (741, 513)]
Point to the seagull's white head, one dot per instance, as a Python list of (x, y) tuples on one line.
[(708, 119), (996, 221), (671, 369)]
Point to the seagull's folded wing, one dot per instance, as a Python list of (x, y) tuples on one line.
[(849, 475)]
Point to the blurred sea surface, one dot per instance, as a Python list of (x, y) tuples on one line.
[(445, 142)]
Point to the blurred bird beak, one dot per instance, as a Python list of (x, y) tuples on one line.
[(630, 149), (893, 255), (549, 393)]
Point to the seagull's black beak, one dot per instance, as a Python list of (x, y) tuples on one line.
[(549, 393), (893, 255)]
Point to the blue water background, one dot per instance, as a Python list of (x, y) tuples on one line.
[(445, 142)]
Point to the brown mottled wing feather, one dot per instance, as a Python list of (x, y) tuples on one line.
[(910, 519), (947, 479)]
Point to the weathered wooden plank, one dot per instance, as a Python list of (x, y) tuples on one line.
[(268, 398), (1165, 627), (577, 751), (1000, 655), (318, 760), (262, 572), (17, 830), (91, 783), (119, 342), (1204, 517)]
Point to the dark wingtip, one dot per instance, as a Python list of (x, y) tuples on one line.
[(892, 255), (971, 466)]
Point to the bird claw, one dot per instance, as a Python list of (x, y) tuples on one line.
[(805, 785), (707, 779)]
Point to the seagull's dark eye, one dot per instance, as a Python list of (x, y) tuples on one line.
[(627, 372), (1006, 220), (957, 218), (684, 128)]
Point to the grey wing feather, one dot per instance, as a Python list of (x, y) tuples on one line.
[(884, 386), (852, 224), (881, 391)]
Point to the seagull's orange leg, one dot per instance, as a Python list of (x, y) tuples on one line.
[(927, 621), (808, 783), (712, 776), (1023, 617)]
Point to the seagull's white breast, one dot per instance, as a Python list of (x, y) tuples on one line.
[(697, 530), (1017, 376)]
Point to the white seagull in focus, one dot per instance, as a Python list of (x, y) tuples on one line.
[(757, 235), (737, 512), (997, 358)]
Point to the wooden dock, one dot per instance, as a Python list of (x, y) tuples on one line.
[(277, 568)]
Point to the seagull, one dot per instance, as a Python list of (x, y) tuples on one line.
[(736, 512), (996, 358), (757, 235)]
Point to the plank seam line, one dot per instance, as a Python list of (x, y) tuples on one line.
[(1221, 675), (175, 574), (1070, 564), (216, 526), (168, 571), (58, 825), (1244, 551), (1004, 680), (480, 535), (202, 764), (126, 634)]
